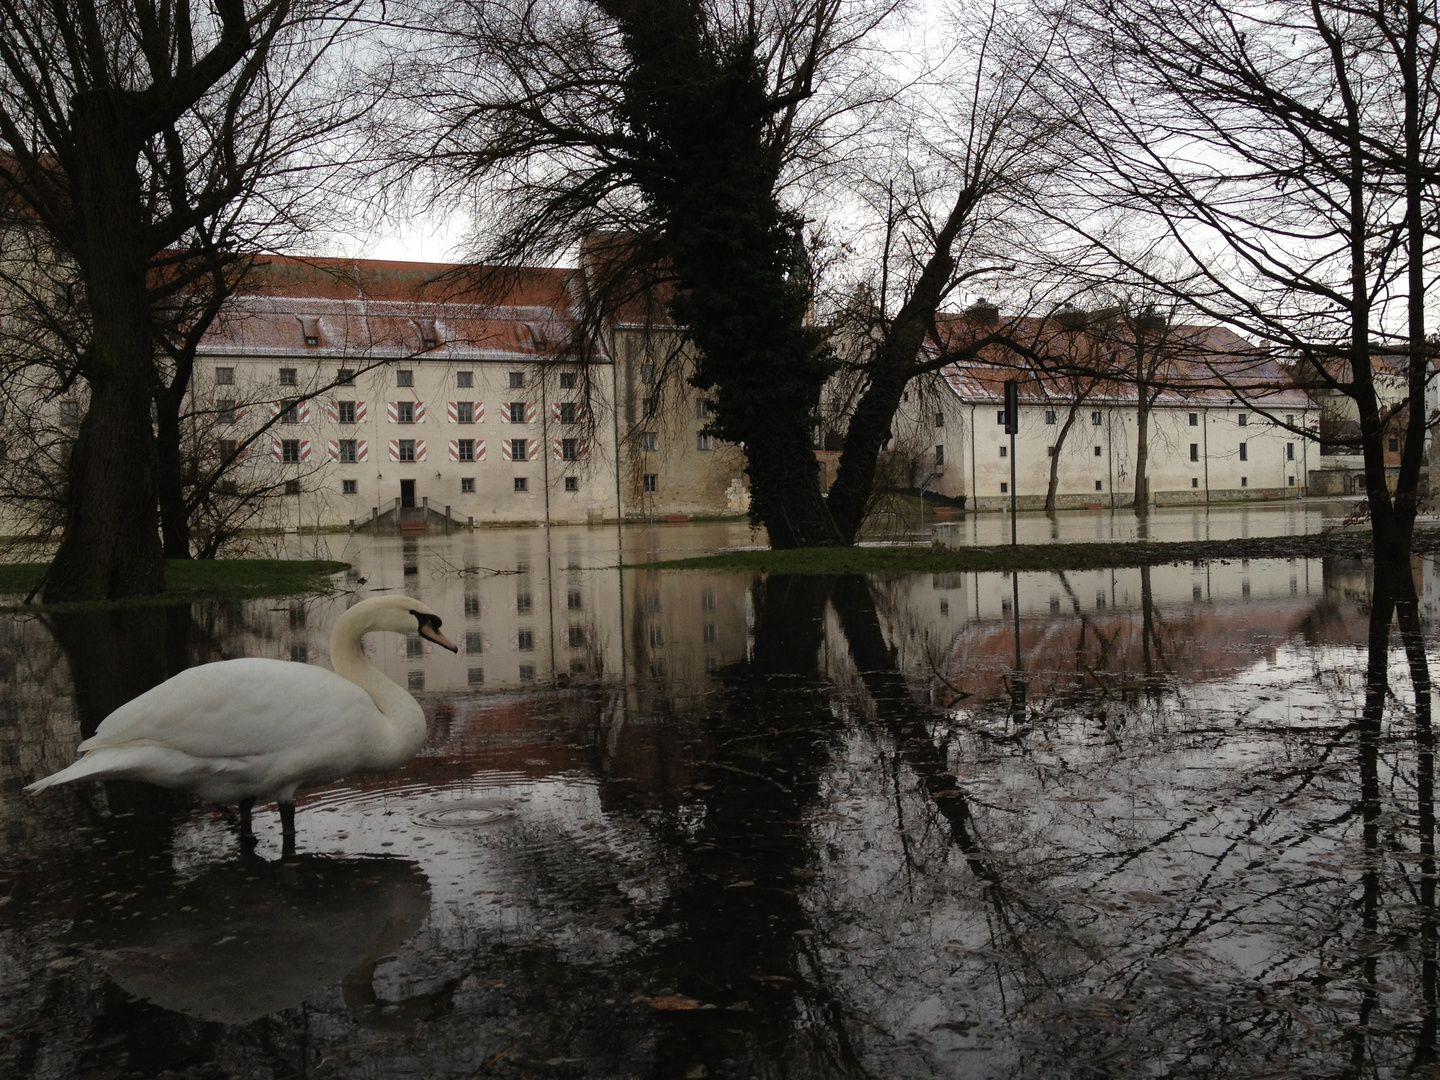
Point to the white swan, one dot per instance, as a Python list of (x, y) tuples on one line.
[(241, 730)]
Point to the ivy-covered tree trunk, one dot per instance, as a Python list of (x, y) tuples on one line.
[(699, 105)]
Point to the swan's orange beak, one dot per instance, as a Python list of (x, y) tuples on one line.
[(430, 628)]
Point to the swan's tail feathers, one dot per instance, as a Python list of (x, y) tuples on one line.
[(91, 765)]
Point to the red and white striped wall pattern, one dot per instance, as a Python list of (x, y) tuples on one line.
[(532, 412), (277, 448), (332, 410), (393, 408), (580, 414), (453, 409), (531, 452), (582, 449), (395, 449), (479, 449), (302, 411), (362, 450)]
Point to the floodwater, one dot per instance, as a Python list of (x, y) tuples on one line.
[(675, 825)]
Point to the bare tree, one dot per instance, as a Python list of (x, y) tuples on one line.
[(1284, 152), (138, 138)]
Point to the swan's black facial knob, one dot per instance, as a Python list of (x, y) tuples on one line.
[(430, 629)]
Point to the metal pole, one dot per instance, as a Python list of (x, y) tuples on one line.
[(1012, 512)]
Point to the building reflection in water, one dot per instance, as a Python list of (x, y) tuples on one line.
[(675, 824)]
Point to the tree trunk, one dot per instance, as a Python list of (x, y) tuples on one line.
[(865, 434), (1054, 485), (170, 480), (111, 547), (1142, 451)]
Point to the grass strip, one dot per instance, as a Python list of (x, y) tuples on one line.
[(189, 580), (1032, 557)]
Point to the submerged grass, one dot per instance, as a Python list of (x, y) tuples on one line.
[(1035, 557), (188, 580)]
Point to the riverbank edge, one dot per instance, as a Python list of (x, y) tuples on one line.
[(188, 581), (1090, 555)]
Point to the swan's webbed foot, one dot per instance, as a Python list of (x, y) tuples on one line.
[(246, 832)]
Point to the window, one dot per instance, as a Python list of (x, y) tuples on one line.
[(577, 667), (1289, 451), (287, 376), (405, 412), (1099, 452), (1194, 481), (707, 600), (475, 676), (1289, 419), (1000, 417), (1244, 452), (224, 376), (1049, 416), (228, 487), (1099, 485), (1004, 487), (290, 414), (1394, 444), (1050, 451), (465, 449), (517, 378), (472, 605), (1289, 481), (572, 483), (1095, 419), (404, 377), (225, 410), (522, 484), (575, 637), (567, 412), (703, 441), (647, 407), (1004, 451), (527, 672), (292, 487), (569, 449), (1244, 481), (1242, 420), (657, 637), (939, 419), (1194, 451), (345, 376), (647, 373), (518, 449), (347, 452), (1194, 419), (228, 448), (704, 407), (464, 378), (464, 412), (525, 640), (649, 441), (345, 412), (467, 485), (567, 380), (939, 456), (708, 633), (299, 654), (524, 603), (414, 645), (407, 449), (69, 412), (651, 483), (575, 600), (349, 487), (290, 450), (518, 409), (474, 642)]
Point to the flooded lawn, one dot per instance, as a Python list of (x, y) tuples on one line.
[(676, 825)]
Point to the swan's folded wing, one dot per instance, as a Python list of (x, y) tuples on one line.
[(237, 708)]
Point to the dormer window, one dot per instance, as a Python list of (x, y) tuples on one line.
[(310, 330), (429, 335)]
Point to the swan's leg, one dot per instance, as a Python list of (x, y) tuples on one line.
[(287, 827), (246, 805)]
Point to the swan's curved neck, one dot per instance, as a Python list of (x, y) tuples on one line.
[(347, 656)]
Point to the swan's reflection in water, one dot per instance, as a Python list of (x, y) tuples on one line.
[(247, 938)]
